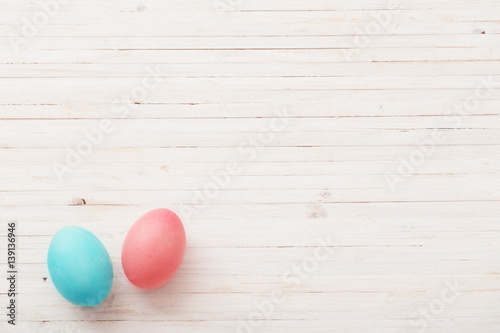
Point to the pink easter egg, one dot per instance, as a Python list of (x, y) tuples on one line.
[(153, 249)]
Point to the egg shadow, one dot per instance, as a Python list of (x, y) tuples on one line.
[(156, 304)]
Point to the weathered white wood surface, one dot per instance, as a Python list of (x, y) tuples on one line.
[(413, 233)]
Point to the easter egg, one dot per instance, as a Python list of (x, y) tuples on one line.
[(80, 266), (153, 249)]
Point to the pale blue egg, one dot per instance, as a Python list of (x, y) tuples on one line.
[(80, 266)]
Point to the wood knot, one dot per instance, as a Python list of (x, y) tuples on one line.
[(79, 202)]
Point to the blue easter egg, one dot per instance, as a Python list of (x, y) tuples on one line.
[(80, 266)]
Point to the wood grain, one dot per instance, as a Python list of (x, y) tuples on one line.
[(358, 86)]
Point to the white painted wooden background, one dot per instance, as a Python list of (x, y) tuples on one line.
[(360, 83)]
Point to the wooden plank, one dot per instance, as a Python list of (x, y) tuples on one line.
[(358, 85)]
